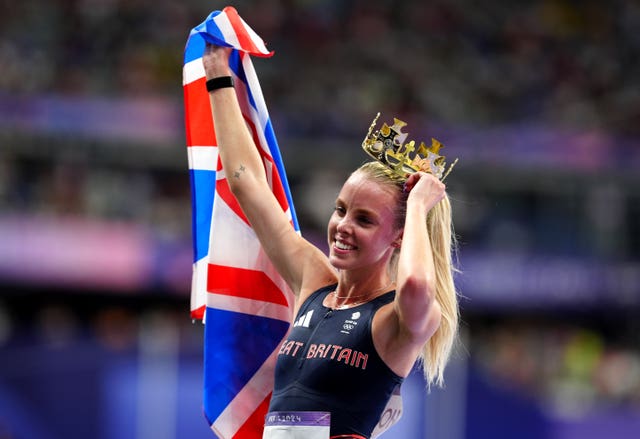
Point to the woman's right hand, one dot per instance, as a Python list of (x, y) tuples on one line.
[(216, 61)]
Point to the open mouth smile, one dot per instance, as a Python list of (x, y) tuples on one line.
[(343, 246)]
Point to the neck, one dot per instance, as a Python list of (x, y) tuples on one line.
[(361, 292), (363, 280)]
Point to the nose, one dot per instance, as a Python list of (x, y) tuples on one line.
[(344, 225)]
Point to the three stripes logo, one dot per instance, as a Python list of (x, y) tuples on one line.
[(304, 320)]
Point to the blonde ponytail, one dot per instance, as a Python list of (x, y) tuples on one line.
[(436, 352)]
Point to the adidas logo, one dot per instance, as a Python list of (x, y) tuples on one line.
[(304, 320)]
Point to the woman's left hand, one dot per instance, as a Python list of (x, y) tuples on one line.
[(215, 60), (425, 188)]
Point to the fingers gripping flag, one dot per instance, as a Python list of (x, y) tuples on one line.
[(246, 305)]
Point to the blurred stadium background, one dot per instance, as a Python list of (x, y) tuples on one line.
[(540, 100)]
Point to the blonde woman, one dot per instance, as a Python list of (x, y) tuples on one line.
[(381, 300)]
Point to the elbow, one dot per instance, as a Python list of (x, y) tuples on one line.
[(235, 188), (241, 184), (420, 289), (235, 184), (419, 310)]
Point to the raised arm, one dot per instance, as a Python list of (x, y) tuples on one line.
[(418, 311), (247, 179)]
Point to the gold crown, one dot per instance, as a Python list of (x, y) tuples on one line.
[(387, 146)]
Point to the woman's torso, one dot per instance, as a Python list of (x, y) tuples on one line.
[(328, 362)]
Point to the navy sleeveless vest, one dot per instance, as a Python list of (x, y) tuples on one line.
[(329, 363)]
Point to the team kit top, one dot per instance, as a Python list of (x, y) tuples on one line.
[(328, 363)]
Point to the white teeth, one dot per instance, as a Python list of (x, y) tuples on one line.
[(343, 246)]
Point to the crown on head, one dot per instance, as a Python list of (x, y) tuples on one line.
[(387, 146)]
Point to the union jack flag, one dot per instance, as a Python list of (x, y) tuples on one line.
[(246, 305)]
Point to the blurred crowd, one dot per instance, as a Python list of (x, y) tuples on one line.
[(558, 62), (571, 368), (552, 63)]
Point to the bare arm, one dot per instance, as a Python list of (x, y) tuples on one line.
[(245, 173), (418, 311), (401, 329)]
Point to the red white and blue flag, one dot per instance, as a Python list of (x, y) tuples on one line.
[(245, 304)]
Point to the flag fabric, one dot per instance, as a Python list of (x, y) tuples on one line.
[(245, 304)]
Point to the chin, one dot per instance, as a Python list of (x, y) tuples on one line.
[(337, 263)]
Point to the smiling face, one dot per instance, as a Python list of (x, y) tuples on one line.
[(362, 229)]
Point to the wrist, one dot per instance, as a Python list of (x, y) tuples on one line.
[(219, 82), (419, 204), (214, 70)]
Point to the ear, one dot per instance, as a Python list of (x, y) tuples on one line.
[(398, 241)]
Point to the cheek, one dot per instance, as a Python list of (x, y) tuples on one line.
[(387, 236), (331, 225)]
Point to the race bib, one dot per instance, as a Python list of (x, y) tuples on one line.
[(297, 425)]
